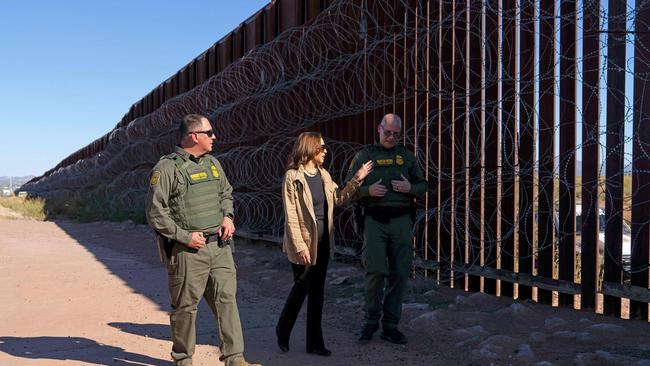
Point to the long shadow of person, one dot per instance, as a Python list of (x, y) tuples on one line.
[(204, 333), (157, 331), (73, 348)]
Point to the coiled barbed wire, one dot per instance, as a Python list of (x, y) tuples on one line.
[(358, 58)]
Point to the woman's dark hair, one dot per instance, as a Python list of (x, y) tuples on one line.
[(307, 146)]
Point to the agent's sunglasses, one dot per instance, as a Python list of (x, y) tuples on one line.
[(395, 134), (321, 148), (210, 133)]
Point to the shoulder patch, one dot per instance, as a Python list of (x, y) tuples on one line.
[(399, 160), (155, 177), (215, 172)]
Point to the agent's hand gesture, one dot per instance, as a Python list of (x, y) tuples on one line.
[(197, 241), (401, 186), (377, 189), (363, 172)]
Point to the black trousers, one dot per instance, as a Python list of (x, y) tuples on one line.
[(308, 281)]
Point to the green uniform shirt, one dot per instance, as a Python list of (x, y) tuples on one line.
[(389, 164), (168, 182)]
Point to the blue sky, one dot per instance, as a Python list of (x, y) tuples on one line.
[(70, 70)]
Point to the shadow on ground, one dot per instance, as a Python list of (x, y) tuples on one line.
[(72, 348), (162, 331), (128, 251)]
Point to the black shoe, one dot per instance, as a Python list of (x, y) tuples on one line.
[(393, 335), (321, 351), (365, 335), (284, 345)]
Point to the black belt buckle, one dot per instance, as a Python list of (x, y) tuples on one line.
[(216, 238)]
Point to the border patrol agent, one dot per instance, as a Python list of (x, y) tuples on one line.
[(190, 207), (387, 199)]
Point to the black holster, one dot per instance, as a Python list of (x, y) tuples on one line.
[(165, 246), (220, 242)]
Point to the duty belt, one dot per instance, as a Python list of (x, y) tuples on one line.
[(383, 213), (216, 238)]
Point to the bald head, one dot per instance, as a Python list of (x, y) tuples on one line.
[(390, 130), (391, 120)]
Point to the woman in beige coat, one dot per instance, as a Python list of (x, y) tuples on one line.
[(309, 197)]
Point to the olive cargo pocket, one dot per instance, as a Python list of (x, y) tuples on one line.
[(174, 261), (176, 275)]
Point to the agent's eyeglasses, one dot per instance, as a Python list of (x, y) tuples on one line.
[(210, 133), (321, 148), (395, 134)]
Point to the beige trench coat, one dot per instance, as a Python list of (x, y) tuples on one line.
[(300, 230)]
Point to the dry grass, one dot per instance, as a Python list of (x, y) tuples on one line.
[(28, 207), (95, 205)]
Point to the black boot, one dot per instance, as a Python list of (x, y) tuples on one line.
[(365, 335), (393, 335)]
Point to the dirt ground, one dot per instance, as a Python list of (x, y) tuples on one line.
[(95, 294), (7, 214)]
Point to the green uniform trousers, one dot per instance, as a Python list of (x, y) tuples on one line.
[(208, 272), (387, 257)]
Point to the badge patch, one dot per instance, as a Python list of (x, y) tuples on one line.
[(199, 176), (215, 172), (399, 160), (155, 177), (384, 161)]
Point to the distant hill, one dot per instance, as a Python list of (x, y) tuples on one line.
[(627, 169), (16, 181), (601, 168)]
